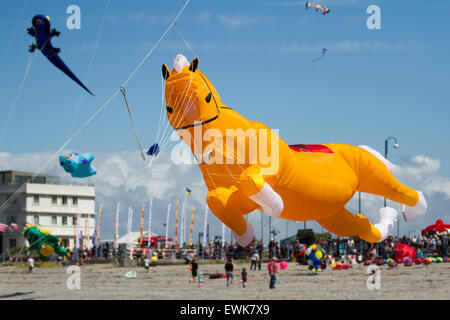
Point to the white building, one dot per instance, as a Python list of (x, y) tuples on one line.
[(45, 202)]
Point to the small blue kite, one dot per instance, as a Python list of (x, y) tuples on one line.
[(78, 165), (154, 150)]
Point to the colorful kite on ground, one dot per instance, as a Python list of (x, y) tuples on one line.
[(299, 183), (315, 256), (43, 34), (43, 242), (78, 165)]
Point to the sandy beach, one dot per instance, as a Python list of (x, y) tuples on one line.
[(106, 281)]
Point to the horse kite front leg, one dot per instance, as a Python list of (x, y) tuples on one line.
[(254, 186)]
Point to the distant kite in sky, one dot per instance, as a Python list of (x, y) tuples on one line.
[(154, 150), (78, 165), (42, 34), (318, 7), (324, 50)]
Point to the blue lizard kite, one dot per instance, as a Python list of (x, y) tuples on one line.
[(42, 34)]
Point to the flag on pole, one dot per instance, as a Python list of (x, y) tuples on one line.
[(142, 226), (183, 220), (85, 244), (116, 227), (75, 222), (129, 225), (176, 223), (223, 235), (205, 225), (78, 231), (167, 222), (149, 231), (192, 226), (99, 222), (94, 238), (79, 239)]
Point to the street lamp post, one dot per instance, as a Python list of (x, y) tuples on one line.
[(396, 146)]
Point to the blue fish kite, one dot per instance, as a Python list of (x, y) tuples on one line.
[(78, 165), (42, 34)]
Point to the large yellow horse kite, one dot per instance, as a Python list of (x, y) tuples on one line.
[(246, 166)]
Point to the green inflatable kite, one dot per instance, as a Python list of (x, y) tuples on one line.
[(43, 242)]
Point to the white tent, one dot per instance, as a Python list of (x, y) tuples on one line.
[(134, 238)]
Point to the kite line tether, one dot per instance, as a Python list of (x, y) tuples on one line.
[(122, 89)]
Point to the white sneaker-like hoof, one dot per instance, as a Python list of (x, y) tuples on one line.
[(247, 237), (391, 167), (388, 216), (410, 213), (269, 200)]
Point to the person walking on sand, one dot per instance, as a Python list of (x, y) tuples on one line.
[(146, 263), (244, 277), (255, 260), (154, 260), (200, 280), (229, 272), (272, 273), (30, 262), (194, 269)]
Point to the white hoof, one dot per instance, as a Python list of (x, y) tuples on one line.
[(247, 237), (391, 167), (387, 218), (269, 200), (410, 213)]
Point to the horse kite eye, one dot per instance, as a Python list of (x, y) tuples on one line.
[(208, 98), (169, 109)]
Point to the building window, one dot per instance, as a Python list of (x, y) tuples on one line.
[(64, 221), (12, 243), (54, 200), (75, 201), (36, 219), (36, 199), (64, 200), (74, 220), (11, 219), (54, 220)]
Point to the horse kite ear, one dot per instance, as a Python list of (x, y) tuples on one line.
[(194, 64), (165, 72)]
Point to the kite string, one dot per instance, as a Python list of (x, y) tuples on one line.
[(20, 252), (13, 35), (161, 122), (156, 44), (6, 204), (16, 99), (91, 63), (31, 58)]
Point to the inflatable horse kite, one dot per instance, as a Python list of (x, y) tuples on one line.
[(246, 166)]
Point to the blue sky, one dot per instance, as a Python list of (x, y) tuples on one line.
[(370, 85)]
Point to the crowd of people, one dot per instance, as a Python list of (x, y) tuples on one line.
[(430, 245)]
